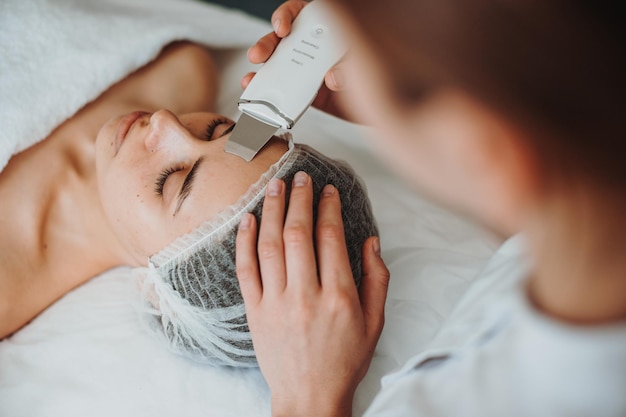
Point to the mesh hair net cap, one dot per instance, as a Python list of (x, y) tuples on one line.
[(189, 293)]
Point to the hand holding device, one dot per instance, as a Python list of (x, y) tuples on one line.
[(288, 82)]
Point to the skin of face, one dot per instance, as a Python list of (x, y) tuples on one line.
[(161, 146), (448, 146)]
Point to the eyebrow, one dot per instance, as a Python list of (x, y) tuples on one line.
[(185, 189)]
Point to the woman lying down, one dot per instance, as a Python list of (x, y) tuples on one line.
[(153, 189)]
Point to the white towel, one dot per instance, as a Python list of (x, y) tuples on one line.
[(56, 56)]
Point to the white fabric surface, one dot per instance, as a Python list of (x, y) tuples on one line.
[(56, 56), (86, 354), (519, 363)]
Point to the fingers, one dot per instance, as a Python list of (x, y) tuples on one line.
[(374, 284), (263, 49), (286, 253), (246, 79), (335, 78), (333, 81), (298, 236), (270, 246), (333, 260), (281, 21), (284, 15), (246, 261)]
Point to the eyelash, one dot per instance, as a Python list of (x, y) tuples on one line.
[(210, 130), (162, 178)]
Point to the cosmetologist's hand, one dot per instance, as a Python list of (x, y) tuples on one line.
[(327, 99), (314, 334)]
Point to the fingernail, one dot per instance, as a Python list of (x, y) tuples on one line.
[(275, 187), (301, 179), (337, 78), (276, 25), (328, 190), (246, 221), (376, 246)]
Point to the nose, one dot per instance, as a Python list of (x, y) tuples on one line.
[(165, 130)]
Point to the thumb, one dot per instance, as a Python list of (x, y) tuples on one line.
[(335, 78), (373, 290)]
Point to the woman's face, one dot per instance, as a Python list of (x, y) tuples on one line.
[(160, 176), (444, 145)]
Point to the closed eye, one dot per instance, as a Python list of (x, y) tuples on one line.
[(159, 184), (214, 124), (187, 184)]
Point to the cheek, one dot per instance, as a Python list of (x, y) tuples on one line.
[(429, 145), (418, 159), (132, 210), (369, 102), (394, 138), (365, 98)]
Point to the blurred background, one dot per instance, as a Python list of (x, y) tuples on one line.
[(259, 8)]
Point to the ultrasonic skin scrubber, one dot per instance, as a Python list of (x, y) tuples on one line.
[(286, 85)]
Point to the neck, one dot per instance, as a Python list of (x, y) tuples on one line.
[(578, 249), (55, 235)]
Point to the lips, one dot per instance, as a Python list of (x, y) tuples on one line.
[(124, 126)]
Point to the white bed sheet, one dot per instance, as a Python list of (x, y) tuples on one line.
[(87, 354)]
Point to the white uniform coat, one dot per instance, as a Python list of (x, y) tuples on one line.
[(520, 362)]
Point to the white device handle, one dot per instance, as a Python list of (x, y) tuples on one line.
[(286, 85)]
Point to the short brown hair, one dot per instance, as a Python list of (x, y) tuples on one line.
[(556, 68)]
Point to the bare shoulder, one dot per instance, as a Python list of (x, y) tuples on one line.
[(183, 78)]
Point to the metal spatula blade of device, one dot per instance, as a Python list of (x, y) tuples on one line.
[(248, 137)]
